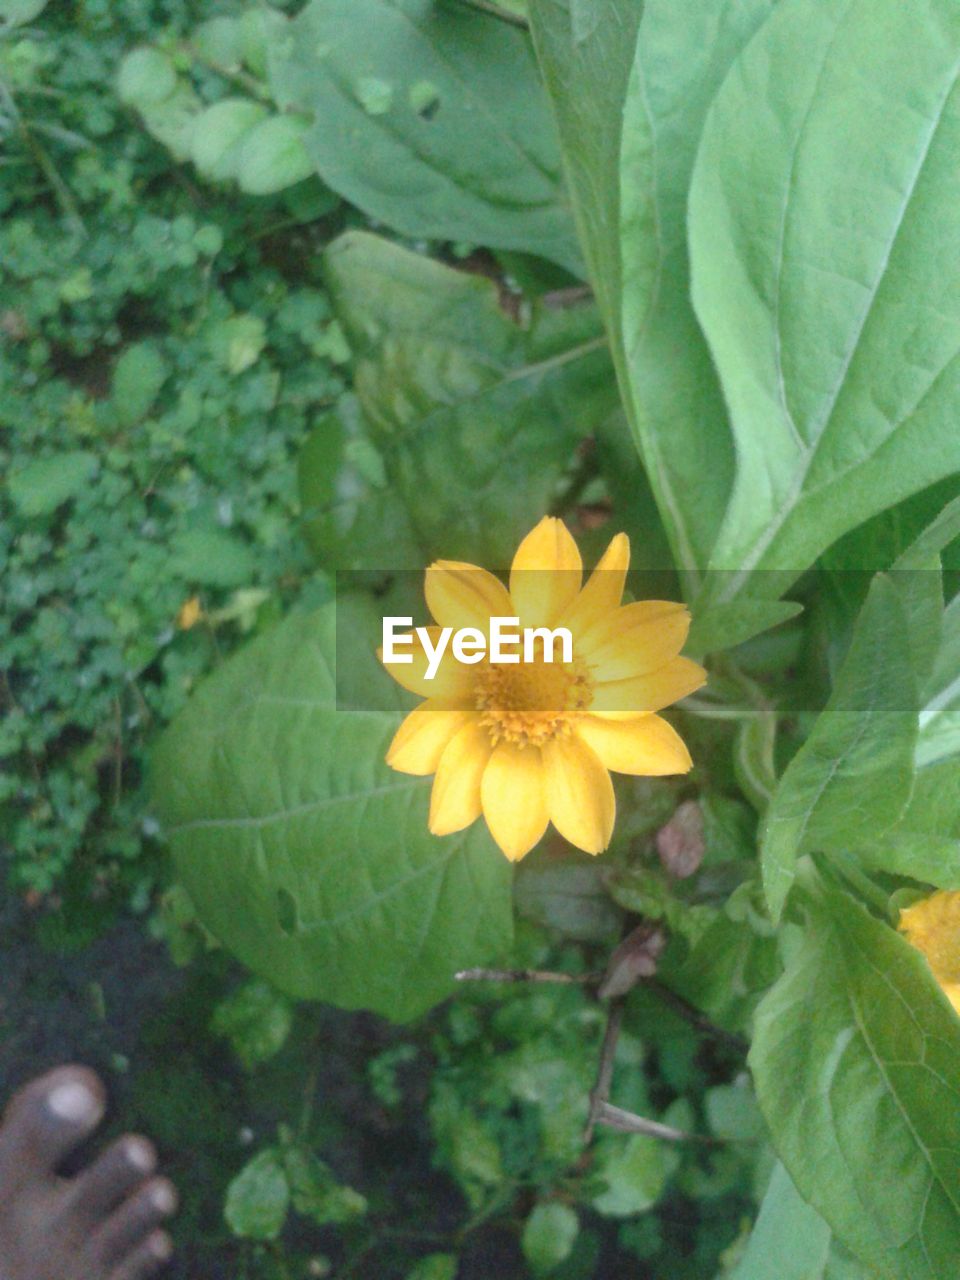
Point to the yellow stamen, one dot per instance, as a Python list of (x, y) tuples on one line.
[(529, 703)]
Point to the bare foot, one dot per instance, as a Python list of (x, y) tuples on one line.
[(102, 1224)]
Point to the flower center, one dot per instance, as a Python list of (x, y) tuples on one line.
[(528, 703)]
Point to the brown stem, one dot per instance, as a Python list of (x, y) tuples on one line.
[(600, 1092), (525, 975)]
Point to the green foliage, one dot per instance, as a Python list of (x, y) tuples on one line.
[(297, 289), (456, 392), (855, 1065), (442, 99), (807, 314), (854, 773), (312, 861)]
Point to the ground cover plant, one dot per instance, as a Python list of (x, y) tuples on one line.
[(304, 299)]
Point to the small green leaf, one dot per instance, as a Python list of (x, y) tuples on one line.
[(146, 78), (258, 1198), (211, 557), (635, 1170), (137, 378), (548, 1236), (238, 342), (315, 1192), (16, 13), (218, 132), (436, 1266), (256, 1020), (272, 157), (42, 485)]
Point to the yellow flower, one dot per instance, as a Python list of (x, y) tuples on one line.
[(530, 743), (190, 613), (933, 927)]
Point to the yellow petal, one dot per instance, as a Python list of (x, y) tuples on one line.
[(461, 595), (635, 640), (673, 681), (646, 747), (455, 799), (420, 741), (546, 574), (514, 803), (604, 589), (932, 925), (579, 793), (452, 680)]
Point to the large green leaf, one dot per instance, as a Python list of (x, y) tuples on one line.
[(303, 853), (856, 1061), (477, 415), (925, 842), (429, 118), (851, 779), (825, 195), (940, 713), (790, 1241), (631, 93)]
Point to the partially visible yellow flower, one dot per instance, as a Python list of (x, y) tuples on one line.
[(189, 613), (933, 927), (531, 743)]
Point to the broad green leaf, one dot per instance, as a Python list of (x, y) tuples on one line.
[(940, 713), (475, 158), (825, 189), (548, 1236), (218, 133), (258, 1198), (352, 518), (569, 897), (925, 842), (42, 485), (851, 779), (723, 626), (272, 156), (631, 93), (303, 853), (477, 415), (856, 1061), (790, 1241)]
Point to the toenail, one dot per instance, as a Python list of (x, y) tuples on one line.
[(140, 1155), (75, 1103), (163, 1198), (160, 1245)]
